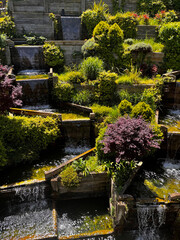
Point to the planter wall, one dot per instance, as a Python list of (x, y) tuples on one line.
[(93, 185)]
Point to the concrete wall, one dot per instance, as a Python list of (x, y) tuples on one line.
[(33, 15), (72, 51)]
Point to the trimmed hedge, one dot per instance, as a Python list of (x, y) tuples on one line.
[(22, 138)]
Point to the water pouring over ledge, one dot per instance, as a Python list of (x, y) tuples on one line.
[(71, 27)]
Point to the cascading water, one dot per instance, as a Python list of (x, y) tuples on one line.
[(177, 96), (31, 193), (27, 219), (27, 57), (150, 219), (71, 27)]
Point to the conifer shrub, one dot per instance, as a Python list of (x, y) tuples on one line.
[(89, 48), (91, 67), (100, 33), (53, 56), (91, 17), (106, 90), (109, 41), (125, 107), (144, 110), (126, 22)]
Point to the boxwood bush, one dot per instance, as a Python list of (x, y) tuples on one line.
[(22, 138)]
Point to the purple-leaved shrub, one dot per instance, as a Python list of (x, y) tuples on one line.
[(129, 139), (9, 93)]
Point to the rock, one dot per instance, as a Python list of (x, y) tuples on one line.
[(174, 197)]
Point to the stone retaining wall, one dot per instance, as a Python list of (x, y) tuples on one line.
[(33, 15)]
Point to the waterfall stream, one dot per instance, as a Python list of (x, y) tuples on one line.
[(150, 219), (34, 193), (71, 27)]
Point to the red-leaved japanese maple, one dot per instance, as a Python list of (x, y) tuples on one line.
[(10, 93), (129, 139)]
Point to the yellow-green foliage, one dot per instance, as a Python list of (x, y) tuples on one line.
[(170, 36), (23, 138), (101, 111), (144, 110), (69, 177), (156, 46), (126, 22), (53, 55), (109, 46), (91, 67), (63, 91), (91, 17), (125, 107), (7, 26), (106, 90)]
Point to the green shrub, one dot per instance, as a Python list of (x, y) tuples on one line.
[(3, 44), (129, 41), (115, 36), (84, 97), (91, 17), (53, 55), (101, 111), (107, 89), (150, 6), (170, 36), (3, 155), (35, 40), (64, 91), (139, 51), (22, 138), (7, 26), (75, 77), (89, 48), (109, 45), (91, 67), (69, 177), (134, 98), (100, 33), (126, 22), (143, 109), (125, 107), (152, 97)]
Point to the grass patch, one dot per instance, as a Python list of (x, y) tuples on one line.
[(27, 77), (157, 47), (72, 116)]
